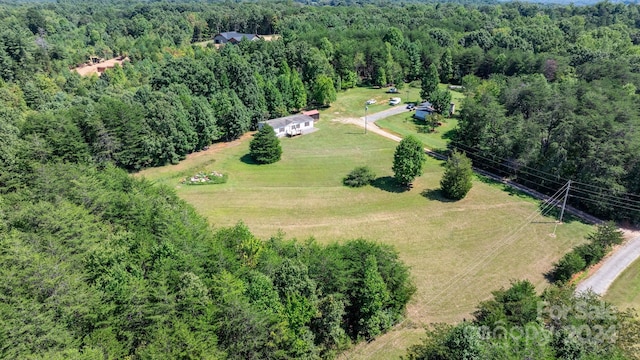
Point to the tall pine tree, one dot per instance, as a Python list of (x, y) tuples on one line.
[(265, 146)]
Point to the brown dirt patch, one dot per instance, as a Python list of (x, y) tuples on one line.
[(85, 70)]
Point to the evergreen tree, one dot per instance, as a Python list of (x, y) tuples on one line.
[(374, 296), (265, 146), (408, 160), (298, 92), (446, 66), (430, 80), (456, 181)]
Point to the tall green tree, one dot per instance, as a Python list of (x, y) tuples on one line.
[(408, 160), (373, 298), (457, 177), (298, 92), (232, 116), (446, 66), (430, 80), (265, 147), (324, 93), (441, 101)]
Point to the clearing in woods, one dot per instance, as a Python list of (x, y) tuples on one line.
[(458, 251)]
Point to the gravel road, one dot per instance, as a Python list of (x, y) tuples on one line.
[(612, 267), (386, 113)]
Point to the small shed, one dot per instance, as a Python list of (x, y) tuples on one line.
[(292, 125), (315, 114), (423, 110)]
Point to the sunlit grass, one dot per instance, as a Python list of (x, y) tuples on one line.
[(625, 291), (458, 251)]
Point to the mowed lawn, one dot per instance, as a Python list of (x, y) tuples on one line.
[(458, 251), (405, 124), (625, 291), (351, 103)]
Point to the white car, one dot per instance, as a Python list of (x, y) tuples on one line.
[(394, 101), (371, 101)]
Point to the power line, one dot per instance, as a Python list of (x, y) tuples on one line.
[(598, 203), (510, 237), (605, 195)]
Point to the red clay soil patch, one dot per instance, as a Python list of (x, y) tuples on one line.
[(85, 70)]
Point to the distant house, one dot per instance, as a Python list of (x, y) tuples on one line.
[(233, 37), (292, 125), (423, 110)]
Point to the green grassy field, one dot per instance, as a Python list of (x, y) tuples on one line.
[(458, 251), (404, 124), (625, 291), (351, 103)]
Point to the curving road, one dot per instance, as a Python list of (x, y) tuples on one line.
[(371, 118), (611, 268), (600, 281)]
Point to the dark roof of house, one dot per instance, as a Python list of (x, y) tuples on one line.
[(234, 35), (425, 106), (287, 120)]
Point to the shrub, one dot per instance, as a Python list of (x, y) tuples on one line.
[(606, 235), (590, 253), (570, 264), (457, 177), (360, 176)]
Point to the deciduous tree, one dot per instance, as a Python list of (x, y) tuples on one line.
[(408, 160)]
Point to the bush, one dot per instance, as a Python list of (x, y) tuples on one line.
[(590, 253), (457, 177), (570, 264), (607, 235), (360, 176)]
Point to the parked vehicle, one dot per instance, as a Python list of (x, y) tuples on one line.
[(394, 101), (411, 106), (371, 101), (392, 90)]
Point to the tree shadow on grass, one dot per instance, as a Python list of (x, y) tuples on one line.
[(435, 194), (247, 159), (389, 184), (449, 134)]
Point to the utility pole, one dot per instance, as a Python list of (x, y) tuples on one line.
[(564, 202), (365, 118), (564, 205)]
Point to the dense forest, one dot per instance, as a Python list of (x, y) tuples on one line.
[(551, 89), (97, 264)]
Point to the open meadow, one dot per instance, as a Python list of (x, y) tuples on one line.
[(458, 251)]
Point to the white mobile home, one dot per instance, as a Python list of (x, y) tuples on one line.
[(292, 125)]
